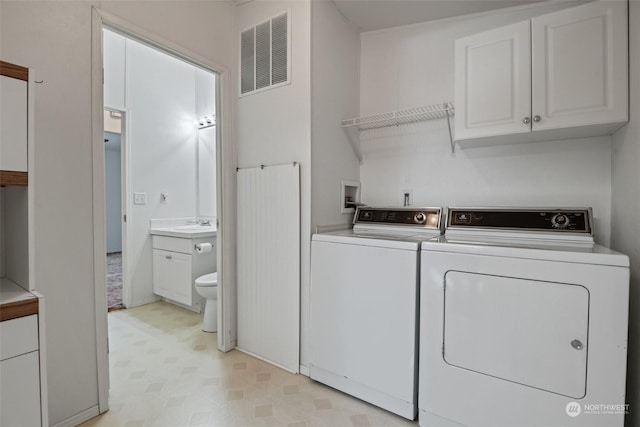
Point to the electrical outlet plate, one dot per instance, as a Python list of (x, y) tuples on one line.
[(407, 197), (139, 198)]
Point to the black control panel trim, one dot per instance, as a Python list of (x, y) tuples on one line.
[(569, 220), (424, 217)]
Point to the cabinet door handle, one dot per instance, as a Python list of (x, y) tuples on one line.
[(537, 118), (526, 120), (168, 257)]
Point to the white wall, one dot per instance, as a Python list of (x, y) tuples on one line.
[(205, 90), (414, 66), (625, 232), (61, 56), (335, 60), (274, 126), (207, 206), (113, 193), (114, 70), (335, 95), (163, 144)]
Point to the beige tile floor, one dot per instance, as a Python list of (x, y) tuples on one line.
[(166, 372)]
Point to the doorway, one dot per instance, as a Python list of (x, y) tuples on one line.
[(115, 181), (223, 170)]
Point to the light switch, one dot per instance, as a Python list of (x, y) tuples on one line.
[(139, 198), (164, 198)]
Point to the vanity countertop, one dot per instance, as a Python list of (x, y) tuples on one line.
[(192, 231), (15, 301)]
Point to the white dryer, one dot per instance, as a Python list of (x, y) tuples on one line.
[(364, 305), (523, 322)]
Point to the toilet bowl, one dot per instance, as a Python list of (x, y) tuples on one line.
[(207, 287)]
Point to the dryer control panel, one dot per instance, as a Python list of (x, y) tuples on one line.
[(522, 219)]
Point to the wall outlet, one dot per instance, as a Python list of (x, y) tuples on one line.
[(139, 198), (164, 198), (407, 198)]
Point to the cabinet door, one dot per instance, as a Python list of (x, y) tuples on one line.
[(172, 276), (20, 391), (181, 278), (13, 124), (162, 273), (580, 66), (493, 82)]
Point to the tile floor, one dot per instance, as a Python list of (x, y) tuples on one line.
[(166, 372)]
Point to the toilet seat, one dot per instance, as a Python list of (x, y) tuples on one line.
[(210, 279)]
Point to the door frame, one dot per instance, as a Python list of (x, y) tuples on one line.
[(125, 193), (225, 182)]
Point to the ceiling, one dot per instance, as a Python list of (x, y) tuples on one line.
[(369, 15)]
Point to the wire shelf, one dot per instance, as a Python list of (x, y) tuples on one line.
[(396, 118)]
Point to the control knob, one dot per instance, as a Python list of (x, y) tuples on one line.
[(560, 221), (420, 218)]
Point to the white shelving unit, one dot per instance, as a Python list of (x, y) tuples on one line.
[(445, 110)]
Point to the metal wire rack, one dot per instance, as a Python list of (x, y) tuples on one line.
[(396, 118), (411, 115)]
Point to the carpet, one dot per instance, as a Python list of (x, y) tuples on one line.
[(114, 281)]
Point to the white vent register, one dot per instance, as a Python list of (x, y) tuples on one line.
[(264, 55)]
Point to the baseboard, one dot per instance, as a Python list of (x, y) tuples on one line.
[(144, 302), (304, 370), (266, 360), (79, 418)]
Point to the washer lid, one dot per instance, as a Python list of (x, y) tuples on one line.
[(407, 241)]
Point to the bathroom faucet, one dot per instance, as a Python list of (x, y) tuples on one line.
[(205, 222)]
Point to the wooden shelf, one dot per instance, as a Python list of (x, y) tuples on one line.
[(15, 301), (13, 178), (14, 71)]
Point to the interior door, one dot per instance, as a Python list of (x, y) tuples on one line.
[(493, 82), (529, 332), (580, 66)]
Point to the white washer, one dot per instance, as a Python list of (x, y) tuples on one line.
[(523, 322), (364, 297)]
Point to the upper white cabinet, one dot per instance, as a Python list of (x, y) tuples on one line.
[(13, 117), (560, 75), (493, 82)]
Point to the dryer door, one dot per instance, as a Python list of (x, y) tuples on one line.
[(529, 332)]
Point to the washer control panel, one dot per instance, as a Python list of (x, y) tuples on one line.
[(417, 217), (550, 220)]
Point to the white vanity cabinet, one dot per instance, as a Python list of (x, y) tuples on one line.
[(556, 76), (176, 266)]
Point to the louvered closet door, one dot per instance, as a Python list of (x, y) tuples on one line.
[(269, 264)]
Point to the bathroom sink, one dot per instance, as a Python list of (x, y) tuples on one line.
[(190, 231)]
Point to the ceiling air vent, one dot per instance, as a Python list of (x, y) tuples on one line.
[(264, 55)]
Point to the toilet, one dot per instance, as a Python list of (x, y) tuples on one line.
[(207, 287)]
